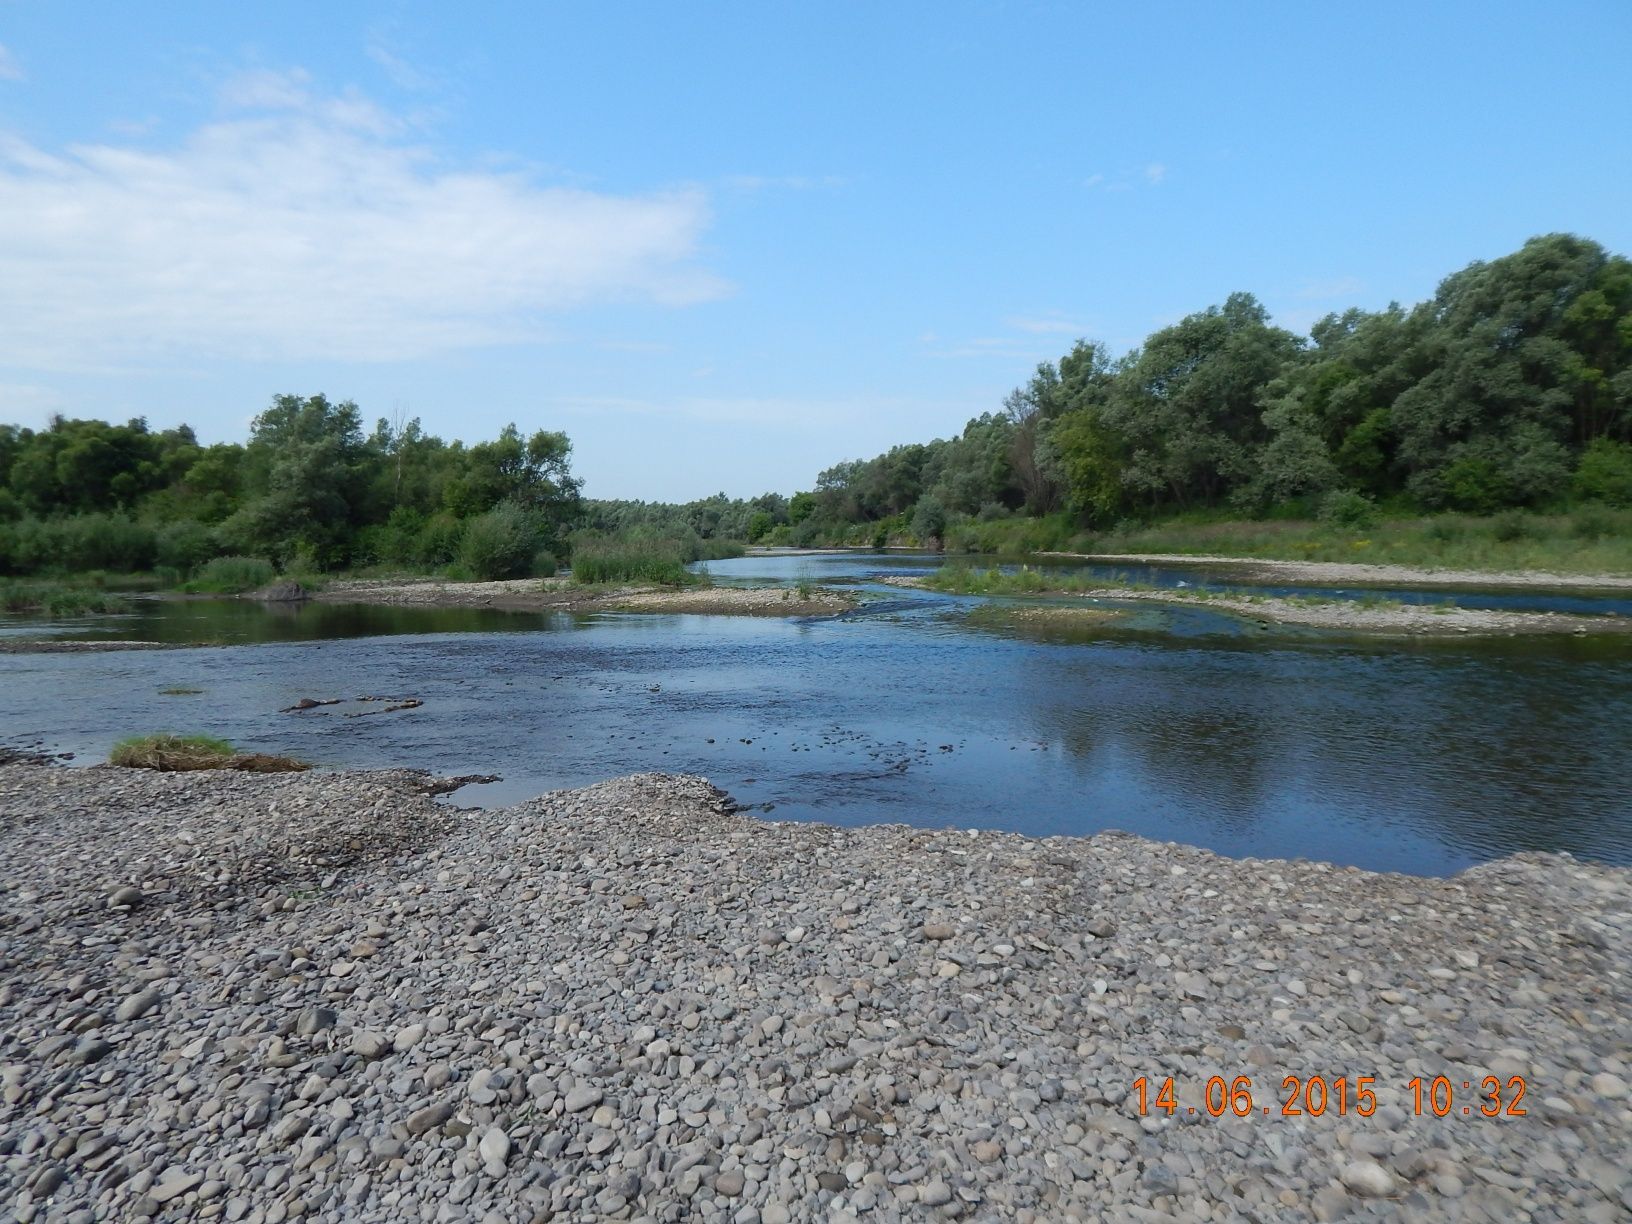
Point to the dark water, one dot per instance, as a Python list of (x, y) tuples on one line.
[(1422, 757)]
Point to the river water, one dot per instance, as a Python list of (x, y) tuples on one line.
[(1420, 755)]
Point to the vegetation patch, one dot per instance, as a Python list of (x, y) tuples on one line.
[(184, 753), (231, 576), (59, 599), (603, 559)]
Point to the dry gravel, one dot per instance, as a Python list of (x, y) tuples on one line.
[(324, 996)]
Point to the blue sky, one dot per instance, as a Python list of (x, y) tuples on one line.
[(725, 246)]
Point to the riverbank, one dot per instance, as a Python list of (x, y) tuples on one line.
[(326, 995), (1349, 615), (1351, 573), (563, 595)]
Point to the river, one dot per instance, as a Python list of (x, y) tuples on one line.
[(1414, 755)]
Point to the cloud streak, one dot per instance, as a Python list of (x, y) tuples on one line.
[(10, 70), (309, 226)]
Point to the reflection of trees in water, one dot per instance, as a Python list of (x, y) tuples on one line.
[(1484, 752)]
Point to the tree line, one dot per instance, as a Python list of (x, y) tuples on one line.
[(309, 491), (1510, 388)]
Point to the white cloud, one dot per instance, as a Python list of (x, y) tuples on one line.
[(1049, 326), (1338, 287), (10, 69), (1155, 173), (309, 226), (398, 71)]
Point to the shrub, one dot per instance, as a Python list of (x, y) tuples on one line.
[(56, 599), (438, 541), (499, 544), (184, 545), (1347, 508), (1510, 526), (543, 564), (231, 575), (1592, 525), (597, 558), (1605, 473), (1475, 484), (929, 519)]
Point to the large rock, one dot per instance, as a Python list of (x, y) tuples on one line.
[(282, 592)]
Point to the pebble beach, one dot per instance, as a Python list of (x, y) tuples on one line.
[(334, 996)]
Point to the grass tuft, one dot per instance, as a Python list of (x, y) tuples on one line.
[(182, 753)]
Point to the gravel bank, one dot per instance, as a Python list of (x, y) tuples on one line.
[(323, 996), (1341, 614), (1359, 573), (562, 595)]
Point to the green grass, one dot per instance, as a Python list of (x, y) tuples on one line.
[(1589, 541), (604, 559), (186, 753), (965, 580), (230, 576), (58, 599)]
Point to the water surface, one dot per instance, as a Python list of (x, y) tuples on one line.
[(1421, 755)]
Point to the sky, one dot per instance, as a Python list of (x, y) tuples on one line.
[(727, 245)]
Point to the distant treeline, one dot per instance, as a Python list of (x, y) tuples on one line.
[(1511, 388), (309, 491)]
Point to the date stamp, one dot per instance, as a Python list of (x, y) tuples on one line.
[(1316, 1096)]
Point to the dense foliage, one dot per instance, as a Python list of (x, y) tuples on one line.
[(309, 491), (1511, 388)]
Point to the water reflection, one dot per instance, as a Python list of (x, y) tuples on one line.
[(1420, 756)]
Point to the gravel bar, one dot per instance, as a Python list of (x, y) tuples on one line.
[(327, 996)]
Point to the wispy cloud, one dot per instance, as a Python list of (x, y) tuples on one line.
[(1151, 174), (1050, 325), (785, 182), (398, 70), (309, 225), (795, 413), (1326, 290), (10, 69)]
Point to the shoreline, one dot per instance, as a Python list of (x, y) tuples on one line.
[(1335, 614), (1359, 573), (630, 1001), (562, 595)]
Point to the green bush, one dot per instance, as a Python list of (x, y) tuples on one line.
[(597, 558), (57, 599), (543, 564), (183, 545), (438, 541), (1511, 526), (1475, 484), (929, 519), (1605, 473), (231, 576), (1347, 508), (499, 544)]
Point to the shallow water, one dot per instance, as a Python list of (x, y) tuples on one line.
[(1417, 756)]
